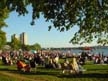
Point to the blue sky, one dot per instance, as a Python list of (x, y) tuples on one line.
[(39, 32)]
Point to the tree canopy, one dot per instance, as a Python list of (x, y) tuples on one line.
[(3, 15), (36, 47), (2, 38), (91, 16)]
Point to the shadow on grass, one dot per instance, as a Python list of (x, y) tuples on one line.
[(58, 73), (6, 69), (96, 70), (41, 73), (38, 72), (91, 75)]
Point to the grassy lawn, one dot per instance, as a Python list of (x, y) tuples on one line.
[(92, 73)]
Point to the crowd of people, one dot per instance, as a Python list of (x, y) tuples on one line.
[(51, 59)]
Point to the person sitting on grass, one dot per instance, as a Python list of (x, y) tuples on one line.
[(22, 66), (72, 67), (33, 64), (74, 64), (65, 66)]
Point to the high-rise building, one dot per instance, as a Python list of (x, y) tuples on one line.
[(24, 38), (14, 36)]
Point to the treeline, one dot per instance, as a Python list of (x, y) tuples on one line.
[(80, 48)]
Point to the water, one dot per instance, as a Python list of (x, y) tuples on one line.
[(103, 51)]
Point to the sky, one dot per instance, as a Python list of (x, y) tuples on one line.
[(39, 32)]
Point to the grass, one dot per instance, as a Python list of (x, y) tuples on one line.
[(92, 73)]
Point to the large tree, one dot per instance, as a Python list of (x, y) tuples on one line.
[(2, 38), (91, 16), (4, 12)]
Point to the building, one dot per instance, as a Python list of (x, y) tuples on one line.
[(14, 36), (24, 38)]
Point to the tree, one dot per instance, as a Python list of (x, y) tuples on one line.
[(26, 47), (3, 15), (36, 47), (91, 16), (15, 43), (2, 38)]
